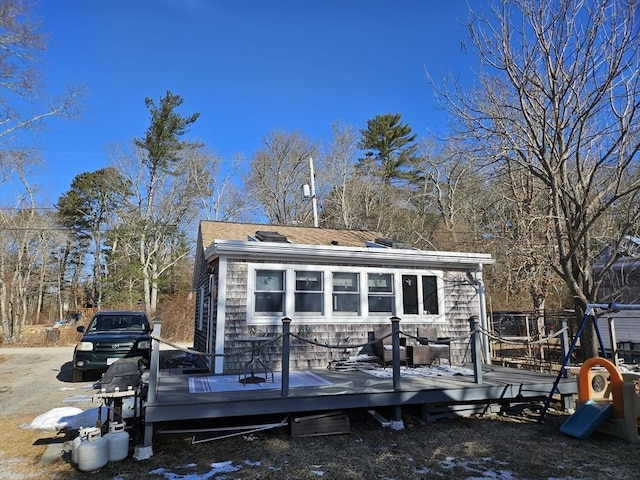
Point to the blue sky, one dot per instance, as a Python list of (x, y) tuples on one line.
[(247, 66)]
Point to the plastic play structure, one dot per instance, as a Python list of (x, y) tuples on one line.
[(608, 399)]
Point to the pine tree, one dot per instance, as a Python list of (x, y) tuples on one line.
[(390, 148)]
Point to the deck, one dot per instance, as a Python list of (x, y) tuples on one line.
[(349, 390), (175, 396)]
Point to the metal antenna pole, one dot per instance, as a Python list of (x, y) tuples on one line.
[(314, 200)]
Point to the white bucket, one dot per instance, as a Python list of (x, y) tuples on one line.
[(118, 441), (93, 453)]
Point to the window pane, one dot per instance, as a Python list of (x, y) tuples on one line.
[(309, 281), (267, 280), (346, 302), (269, 302), (430, 295), (380, 282), (410, 294), (381, 304), (309, 302), (345, 282)]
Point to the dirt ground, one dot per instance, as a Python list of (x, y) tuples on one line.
[(512, 446)]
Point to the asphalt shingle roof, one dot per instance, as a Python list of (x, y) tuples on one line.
[(212, 230)]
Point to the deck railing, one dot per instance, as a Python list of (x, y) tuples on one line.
[(475, 342)]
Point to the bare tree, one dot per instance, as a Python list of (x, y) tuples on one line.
[(276, 175), (27, 240), (221, 199), (151, 237), (562, 103), (446, 190), (21, 88), (339, 209)]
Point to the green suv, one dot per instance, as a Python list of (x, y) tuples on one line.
[(110, 336)]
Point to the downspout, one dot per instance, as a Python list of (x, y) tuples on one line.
[(484, 323)]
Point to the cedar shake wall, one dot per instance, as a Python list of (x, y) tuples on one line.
[(460, 300), (200, 336)]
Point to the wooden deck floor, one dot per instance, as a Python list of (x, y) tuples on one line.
[(349, 389)]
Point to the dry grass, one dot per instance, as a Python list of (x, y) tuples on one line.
[(500, 446)]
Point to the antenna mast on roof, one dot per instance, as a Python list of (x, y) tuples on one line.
[(310, 192)]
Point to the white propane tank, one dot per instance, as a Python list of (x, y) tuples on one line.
[(93, 452), (118, 442), (75, 444)]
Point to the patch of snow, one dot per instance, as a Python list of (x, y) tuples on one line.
[(476, 467), (216, 469), (434, 371), (143, 453), (319, 473), (66, 418), (78, 399)]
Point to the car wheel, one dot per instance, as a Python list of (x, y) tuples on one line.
[(78, 375)]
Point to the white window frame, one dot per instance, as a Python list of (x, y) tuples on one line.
[(420, 275), (328, 315), (392, 293), (320, 292), (283, 291), (348, 293)]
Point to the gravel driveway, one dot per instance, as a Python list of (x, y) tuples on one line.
[(33, 380)]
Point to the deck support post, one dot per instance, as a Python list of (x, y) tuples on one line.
[(286, 350), (476, 349)]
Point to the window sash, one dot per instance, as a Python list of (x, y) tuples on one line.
[(309, 292), (381, 297), (410, 294), (269, 293), (345, 297), (430, 295)]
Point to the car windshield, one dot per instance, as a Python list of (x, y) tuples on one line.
[(118, 322)]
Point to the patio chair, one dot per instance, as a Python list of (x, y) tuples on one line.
[(383, 349), (431, 348)]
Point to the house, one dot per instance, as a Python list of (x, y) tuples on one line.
[(338, 287), (621, 282)]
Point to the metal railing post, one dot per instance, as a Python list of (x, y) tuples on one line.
[(476, 349), (395, 346), (286, 349)]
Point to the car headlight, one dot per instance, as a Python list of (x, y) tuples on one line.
[(144, 345), (85, 346)]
